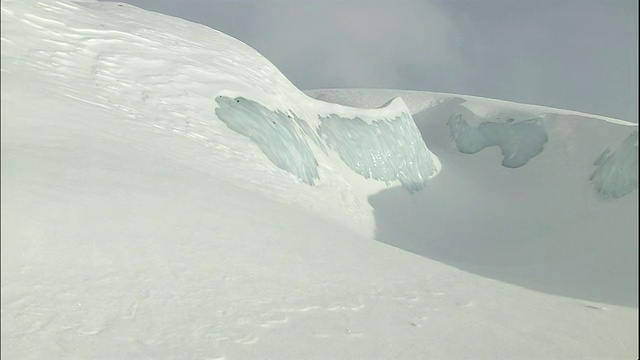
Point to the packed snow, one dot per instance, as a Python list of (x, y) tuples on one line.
[(168, 193)]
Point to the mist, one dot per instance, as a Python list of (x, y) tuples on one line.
[(577, 55)]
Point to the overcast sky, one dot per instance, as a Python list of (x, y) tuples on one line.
[(572, 54)]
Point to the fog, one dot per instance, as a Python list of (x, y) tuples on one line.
[(577, 55)]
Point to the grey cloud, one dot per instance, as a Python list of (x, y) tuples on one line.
[(579, 55)]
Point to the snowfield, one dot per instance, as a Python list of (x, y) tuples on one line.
[(168, 193)]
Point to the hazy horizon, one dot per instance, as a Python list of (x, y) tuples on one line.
[(576, 55)]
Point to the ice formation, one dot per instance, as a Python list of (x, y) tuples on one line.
[(617, 174), (519, 141), (386, 149), (275, 133), (383, 149)]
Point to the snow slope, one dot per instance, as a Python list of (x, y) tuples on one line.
[(138, 223), (563, 222)]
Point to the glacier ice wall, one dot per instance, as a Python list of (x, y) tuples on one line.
[(519, 141), (386, 149), (383, 149), (275, 133), (617, 174)]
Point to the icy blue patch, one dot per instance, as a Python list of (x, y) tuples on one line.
[(306, 129), (519, 141), (274, 132), (617, 174), (386, 150)]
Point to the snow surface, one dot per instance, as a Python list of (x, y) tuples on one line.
[(549, 225), (136, 223)]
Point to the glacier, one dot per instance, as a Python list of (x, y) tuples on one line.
[(519, 141), (387, 149), (617, 174)]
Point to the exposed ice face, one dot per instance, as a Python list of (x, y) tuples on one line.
[(617, 174), (276, 133), (384, 149), (519, 141)]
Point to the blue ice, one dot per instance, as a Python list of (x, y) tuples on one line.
[(519, 142), (384, 149), (617, 174), (275, 133)]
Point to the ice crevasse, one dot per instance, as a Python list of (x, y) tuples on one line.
[(388, 148)]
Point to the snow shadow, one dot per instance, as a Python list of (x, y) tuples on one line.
[(582, 260), (513, 225)]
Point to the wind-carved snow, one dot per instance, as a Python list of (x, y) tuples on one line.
[(519, 141), (617, 174), (386, 149)]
